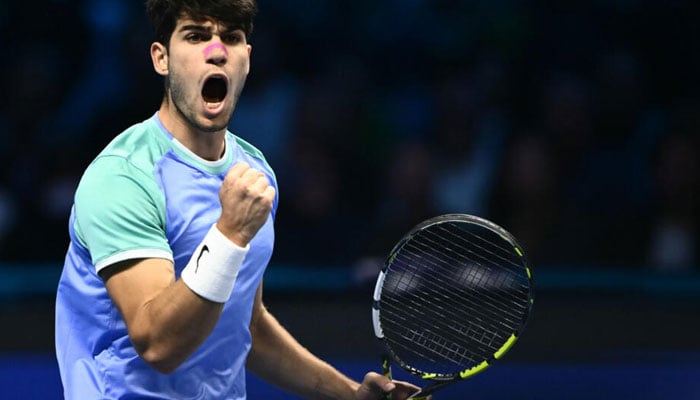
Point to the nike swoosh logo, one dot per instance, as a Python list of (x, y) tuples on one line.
[(201, 253)]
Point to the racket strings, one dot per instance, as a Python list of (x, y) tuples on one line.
[(437, 349), (474, 276), (475, 271), (453, 307), (461, 247), (497, 279), (417, 300), (505, 254), (481, 334), (455, 328), (444, 342)]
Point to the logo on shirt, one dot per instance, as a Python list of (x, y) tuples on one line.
[(201, 253)]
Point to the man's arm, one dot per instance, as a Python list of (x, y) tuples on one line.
[(165, 319), (278, 358)]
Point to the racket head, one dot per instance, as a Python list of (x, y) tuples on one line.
[(453, 296)]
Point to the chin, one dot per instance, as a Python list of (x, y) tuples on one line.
[(213, 125), (212, 128)]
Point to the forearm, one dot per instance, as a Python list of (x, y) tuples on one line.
[(170, 327), (278, 358)]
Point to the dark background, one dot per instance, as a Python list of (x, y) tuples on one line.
[(574, 125)]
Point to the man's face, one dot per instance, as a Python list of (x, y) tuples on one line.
[(207, 68)]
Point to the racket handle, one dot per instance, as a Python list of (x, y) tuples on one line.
[(386, 371)]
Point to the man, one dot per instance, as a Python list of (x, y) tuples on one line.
[(171, 231)]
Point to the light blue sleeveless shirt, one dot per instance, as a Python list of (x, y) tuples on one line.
[(147, 196)]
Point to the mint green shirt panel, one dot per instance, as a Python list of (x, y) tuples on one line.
[(120, 212), (253, 151)]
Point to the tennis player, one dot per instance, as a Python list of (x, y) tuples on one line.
[(171, 231)]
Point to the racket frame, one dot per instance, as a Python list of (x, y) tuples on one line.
[(440, 380)]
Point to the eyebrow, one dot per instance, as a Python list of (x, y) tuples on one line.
[(205, 29), (198, 28)]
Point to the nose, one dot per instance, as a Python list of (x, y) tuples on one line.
[(216, 53)]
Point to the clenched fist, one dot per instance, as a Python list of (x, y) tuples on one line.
[(246, 200)]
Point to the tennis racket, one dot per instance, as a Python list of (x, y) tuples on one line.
[(453, 296)]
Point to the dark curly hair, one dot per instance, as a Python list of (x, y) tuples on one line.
[(234, 14)]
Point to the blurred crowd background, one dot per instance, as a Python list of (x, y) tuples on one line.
[(572, 124)]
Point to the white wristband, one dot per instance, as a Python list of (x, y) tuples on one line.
[(213, 268)]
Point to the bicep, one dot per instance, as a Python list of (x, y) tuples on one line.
[(133, 283), (165, 319)]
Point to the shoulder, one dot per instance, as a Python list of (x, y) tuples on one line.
[(255, 158), (119, 213), (142, 145), (120, 180), (246, 146), (252, 153)]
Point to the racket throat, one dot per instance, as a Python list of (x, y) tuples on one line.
[(423, 393)]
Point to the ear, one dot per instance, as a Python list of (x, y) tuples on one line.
[(250, 48), (159, 56)]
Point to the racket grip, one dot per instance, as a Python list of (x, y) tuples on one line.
[(386, 371)]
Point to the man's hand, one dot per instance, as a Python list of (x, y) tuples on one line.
[(246, 200), (374, 386)]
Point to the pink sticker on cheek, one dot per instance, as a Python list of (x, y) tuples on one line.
[(213, 46)]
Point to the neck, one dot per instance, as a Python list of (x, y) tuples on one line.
[(208, 145)]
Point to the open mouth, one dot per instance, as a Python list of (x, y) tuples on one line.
[(214, 90)]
